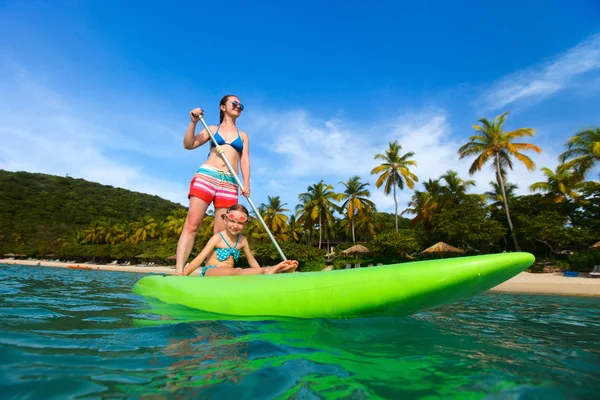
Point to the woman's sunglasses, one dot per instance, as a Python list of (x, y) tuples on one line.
[(237, 104), (232, 217)]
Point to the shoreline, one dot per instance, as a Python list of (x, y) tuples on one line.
[(525, 282), (551, 283), (143, 269)]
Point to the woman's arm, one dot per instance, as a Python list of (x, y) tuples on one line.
[(191, 141), (196, 262), (245, 164)]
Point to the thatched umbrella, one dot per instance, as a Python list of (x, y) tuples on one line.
[(356, 250), (9, 255), (140, 255), (442, 248), (173, 257), (595, 246)]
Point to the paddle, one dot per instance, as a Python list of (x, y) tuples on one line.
[(239, 183)]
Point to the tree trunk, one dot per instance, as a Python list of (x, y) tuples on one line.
[(396, 202), (353, 235), (320, 230), (510, 225)]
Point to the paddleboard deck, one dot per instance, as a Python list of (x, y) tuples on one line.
[(389, 289)]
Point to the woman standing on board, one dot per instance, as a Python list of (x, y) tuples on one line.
[(213, 183)]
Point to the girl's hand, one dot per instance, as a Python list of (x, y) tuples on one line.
[(195, 114)]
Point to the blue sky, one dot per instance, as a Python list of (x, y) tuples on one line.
[(101, 90)]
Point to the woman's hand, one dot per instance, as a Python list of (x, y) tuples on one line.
[(195, 114), (246, 191)]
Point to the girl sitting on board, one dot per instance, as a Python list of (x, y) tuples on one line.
[(223, 249)]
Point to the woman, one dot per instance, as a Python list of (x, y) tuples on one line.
[(213, 183)]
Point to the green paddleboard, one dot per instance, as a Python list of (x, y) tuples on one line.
[(389, 289)]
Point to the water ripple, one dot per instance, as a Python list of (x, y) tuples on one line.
[(69, 333)]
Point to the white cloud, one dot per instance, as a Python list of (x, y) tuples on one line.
[(302, 154), (546, 79), (290, 149)]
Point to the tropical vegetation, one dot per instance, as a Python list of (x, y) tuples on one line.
[(559, 219)]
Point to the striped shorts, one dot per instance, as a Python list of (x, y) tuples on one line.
[(211, 184)]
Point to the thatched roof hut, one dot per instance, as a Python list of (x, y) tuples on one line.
[(442, 248), (357, 249)]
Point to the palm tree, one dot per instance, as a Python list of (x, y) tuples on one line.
[(355, 200), (162, 231), (295, 229), (316, 206), (455, 187), (495, 195), (125, 231), (206, 230), (583, 151), (560, 185), (254, 228), (424, 205), (492, 143), (108, 231), (176, 220), (74, 237), (367, 226), (275, 219), (145, 228), (395, 172), (93, 233)]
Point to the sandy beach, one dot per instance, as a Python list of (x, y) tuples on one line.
[(525, 282), (552, 283), (144, 269)]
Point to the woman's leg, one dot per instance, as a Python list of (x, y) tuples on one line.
[(219, 221), (188, 234)]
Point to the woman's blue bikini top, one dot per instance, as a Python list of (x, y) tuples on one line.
[(237, 144), (224, 254)]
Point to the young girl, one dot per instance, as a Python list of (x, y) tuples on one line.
[(223, 249), (213, 182)]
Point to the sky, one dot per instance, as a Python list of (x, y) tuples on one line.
[(101, 90)]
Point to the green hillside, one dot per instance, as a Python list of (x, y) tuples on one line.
[(38, 209)]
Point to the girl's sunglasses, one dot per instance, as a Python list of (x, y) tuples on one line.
[(232, 217), (237, 104)]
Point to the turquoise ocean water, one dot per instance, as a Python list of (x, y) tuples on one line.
[(83, 334)]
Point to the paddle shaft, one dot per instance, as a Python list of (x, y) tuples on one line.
[(239, 183)]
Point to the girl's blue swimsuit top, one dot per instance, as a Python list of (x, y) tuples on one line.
[(224, 254)]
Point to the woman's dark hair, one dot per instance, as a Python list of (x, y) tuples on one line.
[(222, 103), (238, 207)]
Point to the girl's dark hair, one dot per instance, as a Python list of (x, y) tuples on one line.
[(238, 207), (222, 103)]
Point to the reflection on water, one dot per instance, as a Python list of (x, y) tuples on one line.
[(84, 334)]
